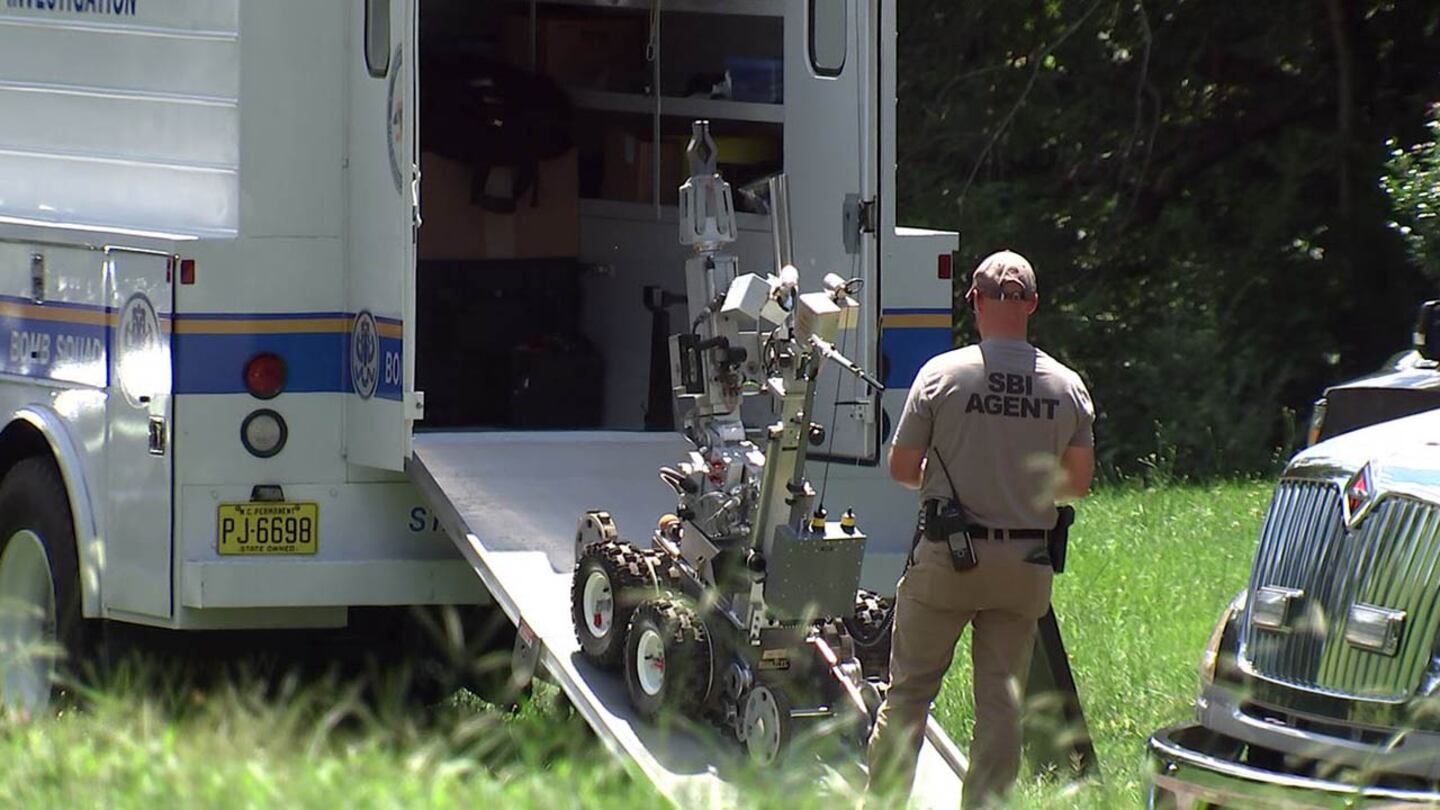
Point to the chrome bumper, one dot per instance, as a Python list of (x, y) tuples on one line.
[(1187, 770)]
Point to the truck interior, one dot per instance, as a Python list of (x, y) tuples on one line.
[(549, 270)]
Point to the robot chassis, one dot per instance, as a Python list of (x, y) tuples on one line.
[(744, 611)]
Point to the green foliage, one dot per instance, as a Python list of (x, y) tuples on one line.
[(1412, 180), (1196, 186)]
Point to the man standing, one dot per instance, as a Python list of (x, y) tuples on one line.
[(1004, 430)]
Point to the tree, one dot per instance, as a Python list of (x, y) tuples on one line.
[(1412, 180), (1195, 183)]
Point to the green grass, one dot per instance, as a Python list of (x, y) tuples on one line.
[(1150, 571)]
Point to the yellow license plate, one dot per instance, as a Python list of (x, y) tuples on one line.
[(269, 528)]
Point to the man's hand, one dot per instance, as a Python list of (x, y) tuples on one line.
[(1078, 464), (907, 465)]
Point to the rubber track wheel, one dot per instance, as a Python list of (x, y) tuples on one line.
[(687, 660), (870, 629), (631, 582), (32, 496)]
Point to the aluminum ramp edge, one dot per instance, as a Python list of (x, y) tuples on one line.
[(506, 575)]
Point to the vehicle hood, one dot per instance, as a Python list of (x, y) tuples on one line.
[(1403, 454)]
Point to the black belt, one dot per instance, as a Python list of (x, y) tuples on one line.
[(987, 533)]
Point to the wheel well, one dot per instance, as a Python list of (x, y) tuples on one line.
[(21, 440), (26, 437)]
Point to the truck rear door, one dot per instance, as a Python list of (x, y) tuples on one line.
[(380, 263), (831, 155)]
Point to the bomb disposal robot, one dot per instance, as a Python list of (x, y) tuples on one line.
[(745, 610)]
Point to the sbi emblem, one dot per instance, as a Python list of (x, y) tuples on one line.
[(364, 355)]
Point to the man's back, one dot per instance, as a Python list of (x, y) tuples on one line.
[(1000, 414)]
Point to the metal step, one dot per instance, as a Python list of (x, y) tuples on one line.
[(510, 502)]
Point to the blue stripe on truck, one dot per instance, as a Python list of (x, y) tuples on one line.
[(210, 352), (908, 338)]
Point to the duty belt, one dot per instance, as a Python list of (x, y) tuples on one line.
[(987, 533)]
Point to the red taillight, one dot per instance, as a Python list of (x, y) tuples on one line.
[(265, 376), (942, 269), (187, 271)]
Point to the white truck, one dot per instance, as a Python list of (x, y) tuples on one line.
[(208, 254)]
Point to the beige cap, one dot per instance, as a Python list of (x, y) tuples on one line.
[(999, 270)]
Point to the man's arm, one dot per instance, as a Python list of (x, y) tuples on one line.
[(907, 465), (1078, 464)]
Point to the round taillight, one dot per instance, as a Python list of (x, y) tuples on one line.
[(265, 376), (264, 433)]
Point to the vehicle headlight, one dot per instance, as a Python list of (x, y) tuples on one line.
[(1223, 639)]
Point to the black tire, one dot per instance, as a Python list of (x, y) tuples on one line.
[(870, 629), (685, 670), (33, 498), (633, 575)]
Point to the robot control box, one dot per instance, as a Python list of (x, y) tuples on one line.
[(812, 575)]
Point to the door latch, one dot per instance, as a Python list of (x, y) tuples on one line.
[(859, 218), (157, 435)]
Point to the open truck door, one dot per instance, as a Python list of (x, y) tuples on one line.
[(831, 160), (381, 187)]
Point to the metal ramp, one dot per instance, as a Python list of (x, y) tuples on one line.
[(510, 502)]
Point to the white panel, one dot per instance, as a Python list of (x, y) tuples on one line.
[(137, 560), (116, 60), (292, 127), (207, 432), (121, 114), (830, 153), (161, 130), (166, 199), (235, 275)]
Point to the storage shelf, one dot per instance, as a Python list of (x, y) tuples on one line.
[(713, 109), (668, 214), (745, 8)]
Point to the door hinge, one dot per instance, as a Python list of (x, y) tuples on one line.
[(37, 277), (860, 218), (859, 410)]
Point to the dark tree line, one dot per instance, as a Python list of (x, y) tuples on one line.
[(1198, 183)]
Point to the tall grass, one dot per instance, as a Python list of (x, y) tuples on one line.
[(1150, 569)]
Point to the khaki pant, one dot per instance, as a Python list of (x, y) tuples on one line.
[(1003, 597)]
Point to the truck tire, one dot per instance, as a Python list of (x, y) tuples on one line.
[(44, 634), (870, 629), (611, 578), (667, 660)]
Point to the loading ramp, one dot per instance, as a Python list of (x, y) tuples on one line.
[(510, 502)]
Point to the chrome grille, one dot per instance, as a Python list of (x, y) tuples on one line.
[(1389, 560)]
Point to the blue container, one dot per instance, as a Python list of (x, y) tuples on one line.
[(756, 79)]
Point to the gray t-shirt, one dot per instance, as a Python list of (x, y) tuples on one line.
[(1000, 414)]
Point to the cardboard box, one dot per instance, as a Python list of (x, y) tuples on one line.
[(628, 166), (600, 53), (455, 227)]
